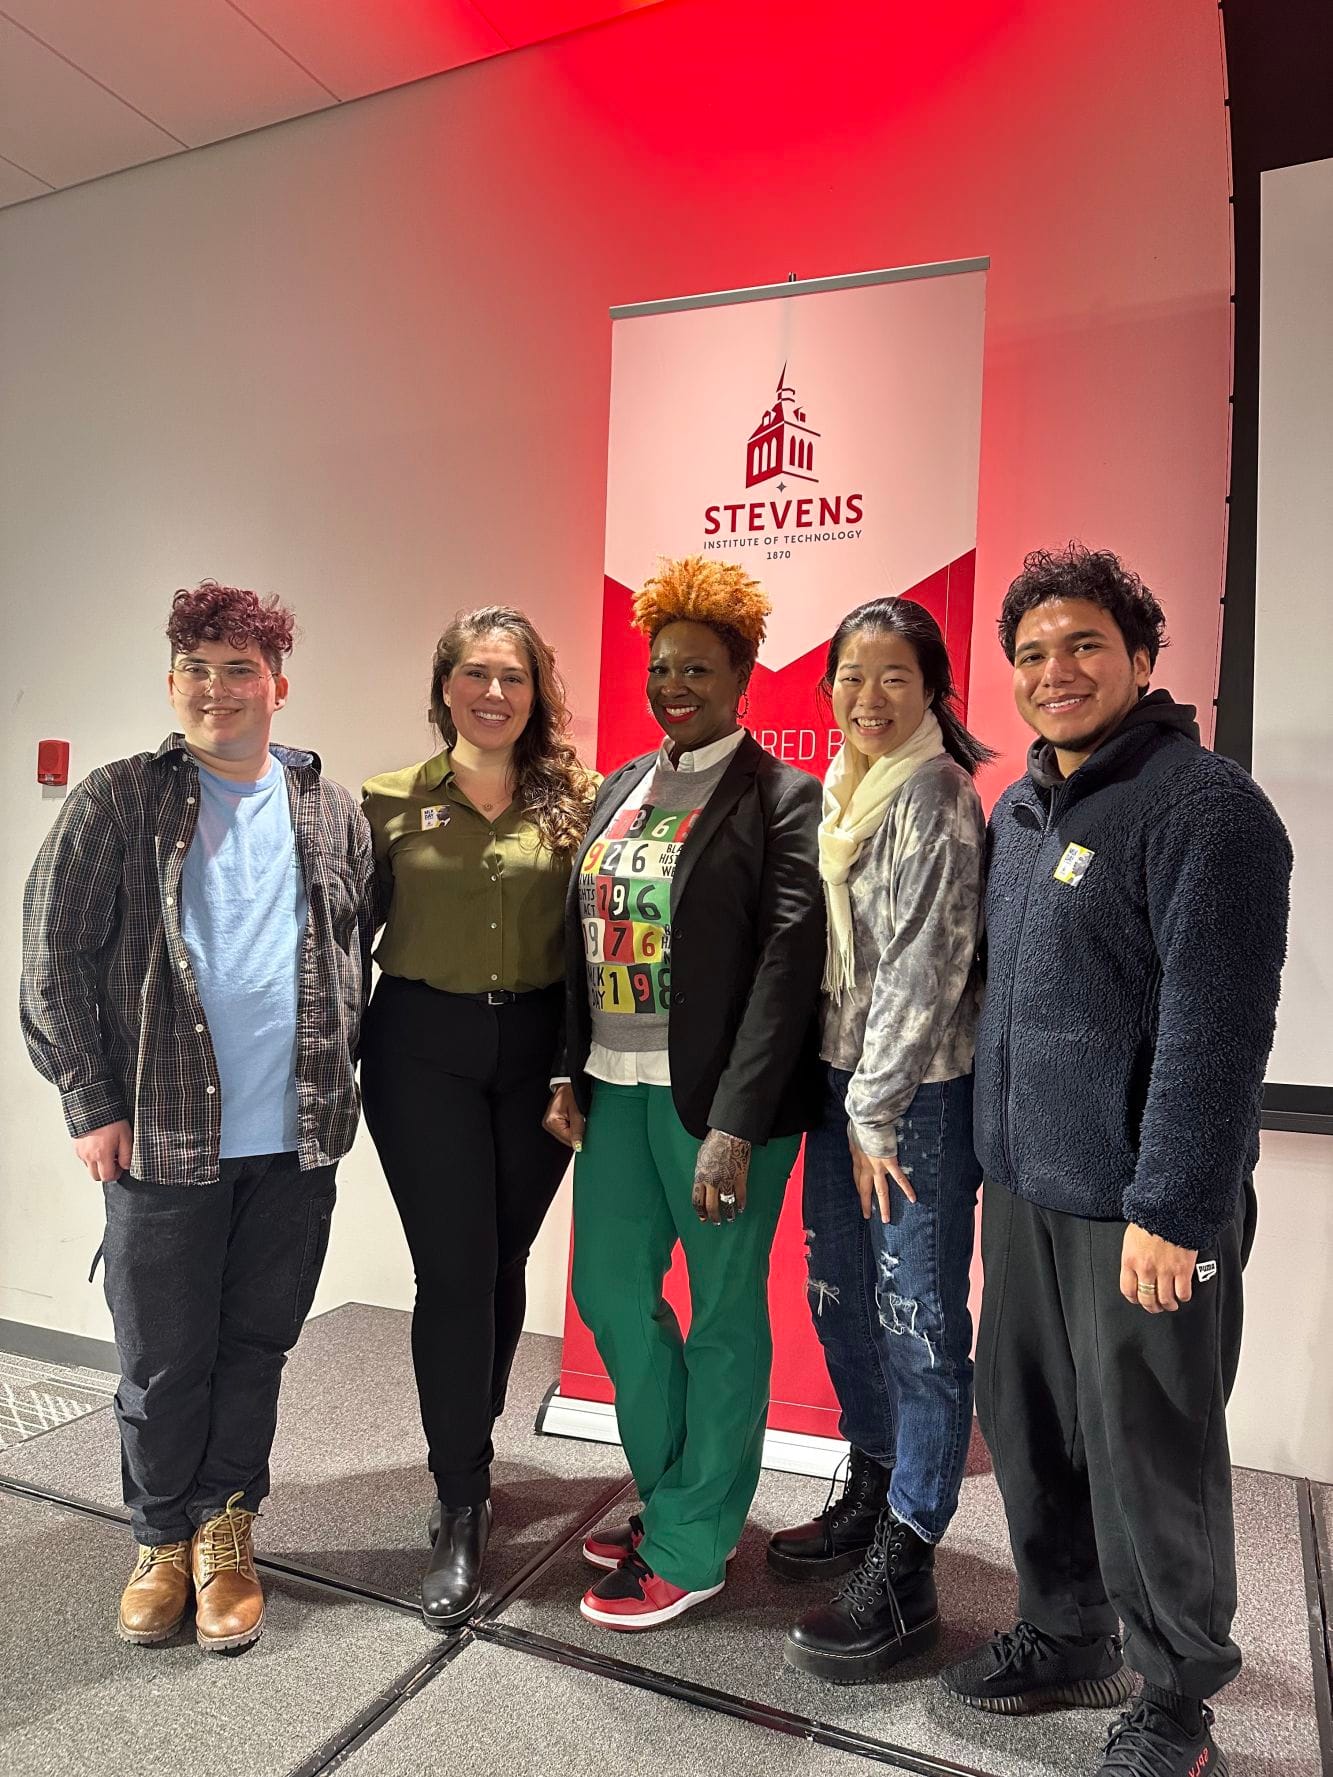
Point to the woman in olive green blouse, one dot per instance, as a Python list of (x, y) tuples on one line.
[(474, 849)]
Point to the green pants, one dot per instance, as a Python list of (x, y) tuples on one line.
[(691, 1411)]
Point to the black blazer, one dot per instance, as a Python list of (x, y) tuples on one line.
[(747, 952)]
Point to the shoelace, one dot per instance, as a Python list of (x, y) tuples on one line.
[(1019, 1643), (637, 1568), (849, 1475), (156, 1555), (225, 1540), (1145, 1742), (870, 1582), (842, 1472)]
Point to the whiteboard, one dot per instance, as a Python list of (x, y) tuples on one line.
[(1293, 652)]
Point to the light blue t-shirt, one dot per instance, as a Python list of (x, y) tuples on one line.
[(243, 917)]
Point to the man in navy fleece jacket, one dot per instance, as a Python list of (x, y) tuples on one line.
[(1136, 917)]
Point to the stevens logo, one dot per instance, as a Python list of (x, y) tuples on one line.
[(782, 443), (782, 450)]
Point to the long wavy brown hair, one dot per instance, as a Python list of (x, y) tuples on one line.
[(550, 783)]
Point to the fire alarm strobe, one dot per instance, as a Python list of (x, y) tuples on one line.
[(52, 761)]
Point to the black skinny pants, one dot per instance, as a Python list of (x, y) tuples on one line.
[(454, 1093), (1108, 1431)]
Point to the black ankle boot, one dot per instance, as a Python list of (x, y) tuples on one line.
[(886, 1612), (837, 1540), (451, 1584)]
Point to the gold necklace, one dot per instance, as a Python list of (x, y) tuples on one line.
[(496, 802)]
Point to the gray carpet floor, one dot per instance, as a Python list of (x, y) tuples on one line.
[(734, 1641), (495, 1710), (350, 1489), (349, 1501), (77, 1699), (36, 1396)]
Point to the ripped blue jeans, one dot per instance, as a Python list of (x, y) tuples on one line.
[(889, 1302)]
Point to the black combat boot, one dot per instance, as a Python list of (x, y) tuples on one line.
[(887, 1611), (451, 1584), (837, 1540)]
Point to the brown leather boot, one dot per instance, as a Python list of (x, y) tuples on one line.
[(228, 1598), (158, 1594)]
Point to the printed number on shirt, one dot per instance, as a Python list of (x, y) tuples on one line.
[(647, 900), (638, 988), (624, 889)]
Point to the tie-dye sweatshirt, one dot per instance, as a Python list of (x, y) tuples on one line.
[(916, 893)]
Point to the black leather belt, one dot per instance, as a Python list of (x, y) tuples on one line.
[(495, 996), (499, 996)]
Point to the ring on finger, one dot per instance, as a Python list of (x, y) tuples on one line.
[(1147, 1289)]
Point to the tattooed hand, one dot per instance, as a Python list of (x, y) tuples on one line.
[(720, 1174)]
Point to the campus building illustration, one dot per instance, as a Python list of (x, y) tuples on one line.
[(782, 443)]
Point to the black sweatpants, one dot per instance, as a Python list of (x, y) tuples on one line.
[(1107, 1427), (454, 1093)]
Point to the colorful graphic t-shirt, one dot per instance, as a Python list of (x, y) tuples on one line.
[(625, 903), (625, 883)]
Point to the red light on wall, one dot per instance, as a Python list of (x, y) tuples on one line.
[(52, 761)]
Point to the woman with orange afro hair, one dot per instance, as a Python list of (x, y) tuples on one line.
[(694, 949)]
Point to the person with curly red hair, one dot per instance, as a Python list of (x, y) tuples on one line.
[(694, 938), (196, 950)]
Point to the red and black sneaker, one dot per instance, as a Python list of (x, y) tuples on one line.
[(1149, 1739), (608, 1548), (634, 1597)]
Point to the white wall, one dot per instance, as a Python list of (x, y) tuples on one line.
[(362, 359), (1281, 1414)]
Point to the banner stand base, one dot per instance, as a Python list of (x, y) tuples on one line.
[(791, 1452)]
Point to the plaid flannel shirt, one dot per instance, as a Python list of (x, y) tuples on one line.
[(110, 1011)]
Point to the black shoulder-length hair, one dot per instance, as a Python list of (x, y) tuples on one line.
[(914, 623)]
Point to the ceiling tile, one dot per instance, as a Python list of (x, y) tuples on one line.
[(15, 184), (200, 70), (358, 49), (61, 125), (529, 21)]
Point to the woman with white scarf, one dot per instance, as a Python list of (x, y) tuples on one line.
[(891, 1179)]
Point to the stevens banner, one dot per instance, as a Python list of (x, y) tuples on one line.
[(825, 435)]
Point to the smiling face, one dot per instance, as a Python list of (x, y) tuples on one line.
[(693, 689), (225, 699), (1075, 681), (879, 694), (490, 691)]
